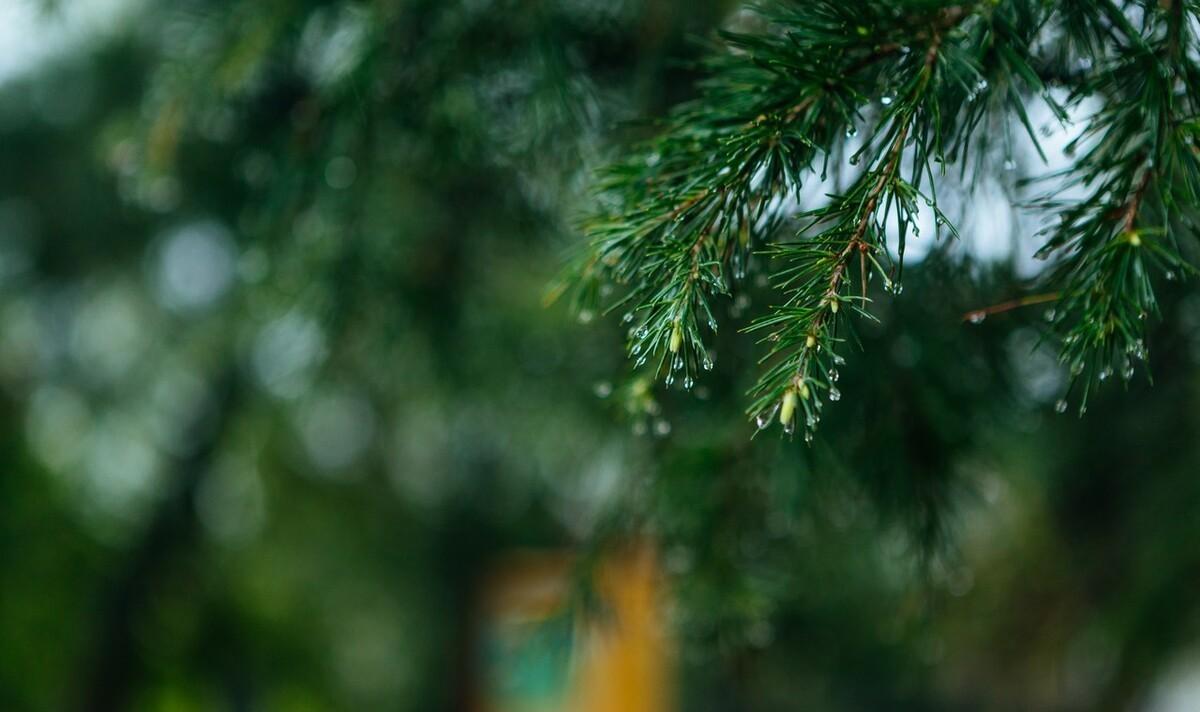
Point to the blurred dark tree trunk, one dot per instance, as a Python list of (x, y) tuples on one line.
[(111, 670)]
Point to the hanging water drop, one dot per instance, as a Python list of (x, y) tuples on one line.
[(602, 389), (1010, 164), (834, 394), (1050, 315), (662, 428), (1105, 373), (839, 360), (627, 318), (688, 383), (1061, 406), (851, 132), (707, 364), (834, 375), (677, 363), (642, 332), (977, 317), (885, 100), (808, 436), (586, 316), (765, 417)]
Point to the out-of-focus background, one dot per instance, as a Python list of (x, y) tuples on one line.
[(285, 424)]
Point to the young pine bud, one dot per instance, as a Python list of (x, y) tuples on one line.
[(788, 410), (810, 342), (676, 338)]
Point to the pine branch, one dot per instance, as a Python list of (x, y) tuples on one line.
[(681, 220), (1140, 164), (689, 208), (804, 331)]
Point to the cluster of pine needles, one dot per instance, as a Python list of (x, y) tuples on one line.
[(899, 94)]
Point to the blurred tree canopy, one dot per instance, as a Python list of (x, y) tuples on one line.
[(277, 383)]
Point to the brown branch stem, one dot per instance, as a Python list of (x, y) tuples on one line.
[(1135, 200), (977, 315)]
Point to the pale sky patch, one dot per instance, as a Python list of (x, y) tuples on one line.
[(31, 34)]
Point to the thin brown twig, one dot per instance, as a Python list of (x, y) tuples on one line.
[(1135, 200), (977, 315)]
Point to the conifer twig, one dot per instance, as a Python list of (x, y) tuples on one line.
[(796, 388), (977, 315), (684, 216)]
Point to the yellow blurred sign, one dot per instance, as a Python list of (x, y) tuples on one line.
[(537, 653)]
